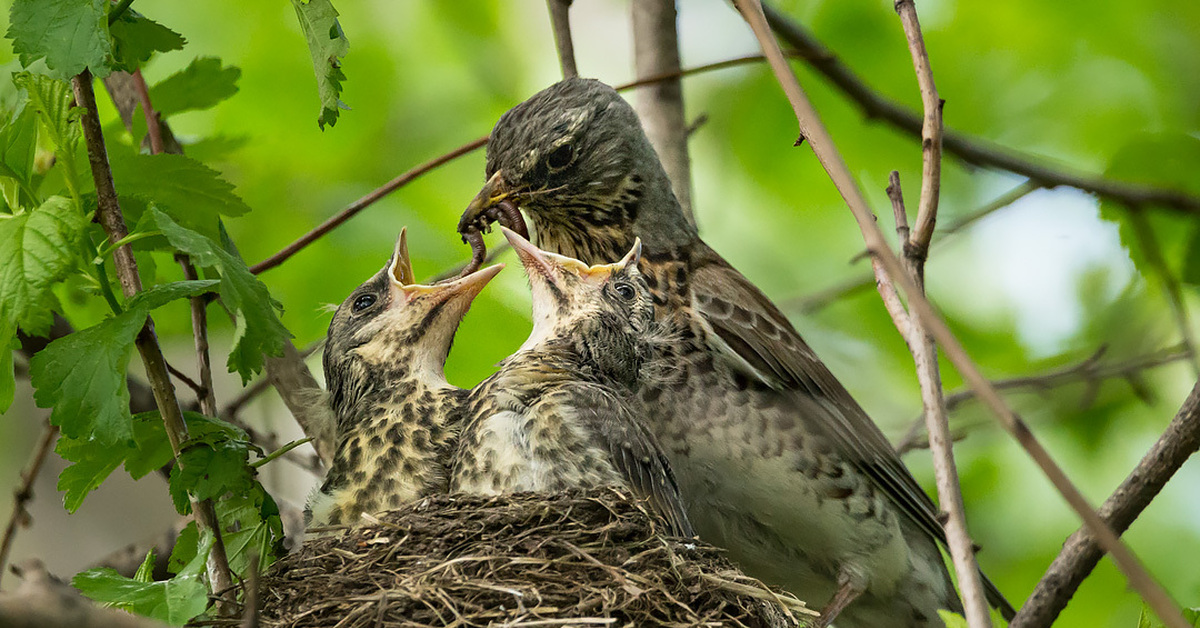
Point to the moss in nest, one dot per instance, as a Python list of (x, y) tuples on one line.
[(580, 558)]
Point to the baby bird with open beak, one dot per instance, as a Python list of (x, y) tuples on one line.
[(396, 414), (561, 412)]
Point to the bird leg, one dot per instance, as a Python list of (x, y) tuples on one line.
[(850, 586)]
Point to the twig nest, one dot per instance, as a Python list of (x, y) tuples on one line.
[(579, 558)]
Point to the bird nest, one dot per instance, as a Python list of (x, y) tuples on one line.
[(579, 558)]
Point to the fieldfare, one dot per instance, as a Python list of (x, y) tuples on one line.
[(776, 462), (396, 414), (561, 412)]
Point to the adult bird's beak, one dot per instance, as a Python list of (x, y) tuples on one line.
[(494, 191)]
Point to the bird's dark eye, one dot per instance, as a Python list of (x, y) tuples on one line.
[(560, 157), (625, 290), (363, 302)]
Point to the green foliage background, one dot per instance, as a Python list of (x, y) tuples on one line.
[(1099, 87)]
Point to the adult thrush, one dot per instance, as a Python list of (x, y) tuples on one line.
[(776, 462), (396, 414), (561, 413)]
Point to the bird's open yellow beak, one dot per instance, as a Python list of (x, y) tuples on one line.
[(494, 191), (404, 281)]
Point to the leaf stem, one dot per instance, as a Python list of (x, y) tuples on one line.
[(117, 10), (279, 452)]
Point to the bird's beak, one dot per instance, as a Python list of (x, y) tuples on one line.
[(539, 263), (401, 269), (465, 287), (494, 191)]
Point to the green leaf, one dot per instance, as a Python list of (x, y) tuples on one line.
[(190, 192), (185, 548), (174, 601), (214, 461), (92, 464), (37, 250), (258, 331), (72, 35), (18, 148), (52, 99), (327, 44), (82, 375), (145, 571), (136, 38), (952, 619), (201, 85)]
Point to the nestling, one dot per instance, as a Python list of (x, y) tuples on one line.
[(396, 414), (776, 461), (561, 413)]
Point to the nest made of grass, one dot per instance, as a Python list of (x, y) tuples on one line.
[(580, 558)]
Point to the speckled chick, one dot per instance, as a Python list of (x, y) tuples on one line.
[(561, 413), (776, 461), (397, 416)]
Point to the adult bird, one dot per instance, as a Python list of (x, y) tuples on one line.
[(776, 461), (560, 413), (397, 416)]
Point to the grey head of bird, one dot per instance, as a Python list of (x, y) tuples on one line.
[(392, 327), (602, 314), (574, 157)]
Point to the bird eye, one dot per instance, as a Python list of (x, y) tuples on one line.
[(625, 290), (560, 157), (363, 302)]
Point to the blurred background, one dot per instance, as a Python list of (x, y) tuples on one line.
[(1038, 286)]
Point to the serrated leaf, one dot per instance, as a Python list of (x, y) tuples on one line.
[(51, 100), (201, 85), (190, 192), (258, 331), (37, 249), (327, 44), (82, 375), (185, 548), (72, 35), (136, 38), (174, 601), (18, 148)]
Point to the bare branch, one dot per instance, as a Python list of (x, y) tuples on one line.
[(1081, 553), (1089, 371), (363, 203), (826, 152), (110, 217), (24, 493), (560, 23), (931, 135), (968, 148), (43, 601), (660, 106)]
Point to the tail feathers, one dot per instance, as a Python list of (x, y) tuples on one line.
[(996, 598)]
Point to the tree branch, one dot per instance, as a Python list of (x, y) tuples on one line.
[(1088, 371), (24, 493), (660, 106), (110, 217), (42, 601), (822, 145), (968, 148), (560, 23), (1081, 553)]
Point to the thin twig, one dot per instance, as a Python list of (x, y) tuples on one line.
[(816, 301), (1080, 553), (408, 177), (187, 381), (110, 217), (24, 493), (660, 106), (1088, 371), (826, 152), (363, 203), (971, 149), (560, 22), (1152, 249), (922, 346)]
